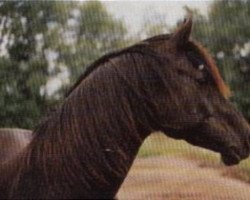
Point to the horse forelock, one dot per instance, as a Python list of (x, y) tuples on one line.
[(220, 83)]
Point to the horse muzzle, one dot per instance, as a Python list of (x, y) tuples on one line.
[(233, 156)]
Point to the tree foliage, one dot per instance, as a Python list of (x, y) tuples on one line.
[(46, 41), (95, 32)]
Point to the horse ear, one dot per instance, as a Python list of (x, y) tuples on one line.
[(182, 34)]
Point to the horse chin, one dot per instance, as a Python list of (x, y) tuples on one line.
[(230, 158)]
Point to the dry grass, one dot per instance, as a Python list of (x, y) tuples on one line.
[(175, 178), (158, 144)]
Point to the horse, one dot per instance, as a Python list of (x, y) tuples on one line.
[(85, 148), (12, 141)]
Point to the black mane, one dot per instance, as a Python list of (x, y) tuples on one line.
[(141, 48)]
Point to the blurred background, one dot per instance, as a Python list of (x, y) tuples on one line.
[(45, 46)]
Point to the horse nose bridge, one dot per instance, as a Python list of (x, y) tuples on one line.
[(243, 125), (235, 119), (242, 128), (236, 125), (241, 142), (246, 145)]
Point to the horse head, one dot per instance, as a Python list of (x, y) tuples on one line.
[(192, 102)]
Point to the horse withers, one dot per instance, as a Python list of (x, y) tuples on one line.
[(86, 147)]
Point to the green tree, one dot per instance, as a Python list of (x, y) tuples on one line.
[(23, 66), (42, 40), (95, 32)]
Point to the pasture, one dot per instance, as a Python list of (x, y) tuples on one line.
[(160, 145), (173, 170)]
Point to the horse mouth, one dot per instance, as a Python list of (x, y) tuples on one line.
[(230, 157)]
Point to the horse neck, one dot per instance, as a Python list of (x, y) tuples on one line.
[(90, 142)]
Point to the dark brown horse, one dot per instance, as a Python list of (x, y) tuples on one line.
[(12, 141), (85, 148)]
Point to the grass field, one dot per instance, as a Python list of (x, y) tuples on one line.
[(159, 144)]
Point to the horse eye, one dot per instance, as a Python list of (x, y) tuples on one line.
[(195, 60), (201, 67)]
